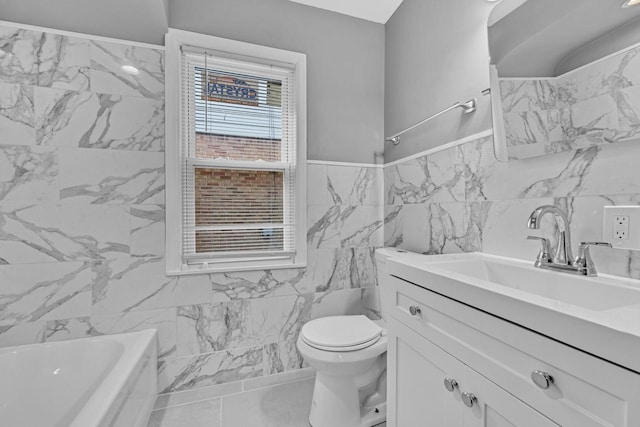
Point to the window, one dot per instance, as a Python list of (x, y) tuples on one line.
[(235, 155)]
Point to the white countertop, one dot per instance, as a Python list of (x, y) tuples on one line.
[(612, 334)]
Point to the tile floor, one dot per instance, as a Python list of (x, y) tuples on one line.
[(257, 403)]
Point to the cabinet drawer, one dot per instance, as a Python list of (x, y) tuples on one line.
[(586, 391)]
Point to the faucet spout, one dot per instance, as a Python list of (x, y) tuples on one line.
[(563, 253)]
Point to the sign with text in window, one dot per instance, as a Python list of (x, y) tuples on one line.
[(230, 89), (241, 91)]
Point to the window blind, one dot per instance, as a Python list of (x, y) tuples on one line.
[(238, 158)]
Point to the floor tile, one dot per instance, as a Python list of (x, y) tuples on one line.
[(285, 405), (199, 414)]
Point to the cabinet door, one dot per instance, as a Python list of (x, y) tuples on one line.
[(495, 407), (419, 398)]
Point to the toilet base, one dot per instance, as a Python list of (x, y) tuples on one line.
[(336, 403)]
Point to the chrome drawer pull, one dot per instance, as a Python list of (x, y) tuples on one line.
[(542, 379), (414, 310), (450, 384), (469, 399)]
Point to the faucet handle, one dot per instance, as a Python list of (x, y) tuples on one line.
[(584, 260), (544, 254)]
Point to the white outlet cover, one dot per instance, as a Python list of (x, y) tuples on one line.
[(609, 226)]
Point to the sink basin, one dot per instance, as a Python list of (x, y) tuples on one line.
[(600, 315), (593, 293)]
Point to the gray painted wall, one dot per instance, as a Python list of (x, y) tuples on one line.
[(345, 61), (139, 20), (436, 54)]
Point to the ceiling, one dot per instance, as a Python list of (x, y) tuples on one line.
[(372, 10), (147, 20)]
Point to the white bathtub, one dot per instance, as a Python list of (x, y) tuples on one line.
[(92, 382)]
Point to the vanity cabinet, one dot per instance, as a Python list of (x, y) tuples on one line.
[(433, 338)]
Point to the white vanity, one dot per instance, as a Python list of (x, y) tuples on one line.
[(479, 340)]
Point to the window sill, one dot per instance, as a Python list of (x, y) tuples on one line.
[(232, 269)]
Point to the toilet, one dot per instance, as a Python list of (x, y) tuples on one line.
[(349, 354)]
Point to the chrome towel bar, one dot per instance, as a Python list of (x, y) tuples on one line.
[(468, 107)]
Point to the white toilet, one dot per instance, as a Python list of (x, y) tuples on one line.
[(349, 354)]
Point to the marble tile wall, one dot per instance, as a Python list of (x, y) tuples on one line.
[(82, 223), (595, 104), (462, 199)]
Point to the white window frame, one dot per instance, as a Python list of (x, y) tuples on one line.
[(174, 41)]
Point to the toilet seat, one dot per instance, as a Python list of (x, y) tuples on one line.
[(341, 333)]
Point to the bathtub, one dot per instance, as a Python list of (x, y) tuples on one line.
[(91, 382)]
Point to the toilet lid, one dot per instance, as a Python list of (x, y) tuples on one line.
[(338, 333)]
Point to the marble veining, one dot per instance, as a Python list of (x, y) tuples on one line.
[(16, 115), (108, 77), (111, 176), (27, 176), (43, 59), (590, 106), (46, 233), (52, 291), (82, 221), (499, 196)]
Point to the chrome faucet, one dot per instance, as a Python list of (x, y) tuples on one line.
[(563, 259), (563, 254)]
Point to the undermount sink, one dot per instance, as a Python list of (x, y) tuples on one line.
[(593, 293), (600, 315)]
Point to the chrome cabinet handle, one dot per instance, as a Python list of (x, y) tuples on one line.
[(414, 310), (450, 384), (542, 379), (469, 399)]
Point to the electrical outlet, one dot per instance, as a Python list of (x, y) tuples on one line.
[(621, 226)]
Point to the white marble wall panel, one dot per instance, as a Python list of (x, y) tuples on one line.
[(41, 292), (147, 230), (526, 128), (282, 357), (602, 77), (28, 176), (354, 186), (525, 95), (16, 115), (209, 369), (438, 177), (628, 102), (345, 226), (590, 122), (111, 176), (85, 119), (44, 59), (597, 106), (107, 75), (393, 225), (205, 328), (49, 233), (134, 284), (257, 284), (583, 172), (162, 320)]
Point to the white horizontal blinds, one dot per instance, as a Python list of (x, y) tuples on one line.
[(240, 159)]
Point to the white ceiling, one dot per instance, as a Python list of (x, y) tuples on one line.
[(371, 10)]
